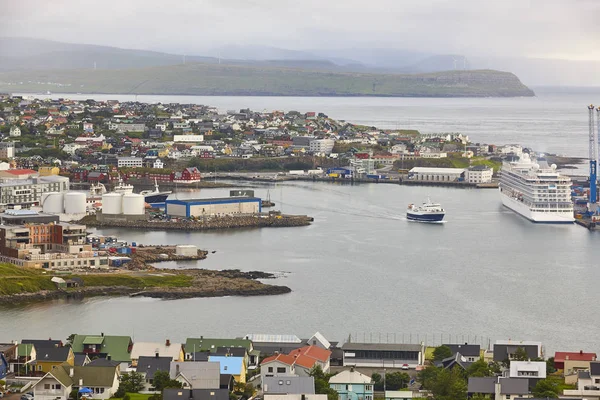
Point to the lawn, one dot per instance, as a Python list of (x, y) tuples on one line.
[(14, 280), (138, 281), (134, 396)]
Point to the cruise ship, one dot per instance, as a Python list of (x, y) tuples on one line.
[(536, 190)]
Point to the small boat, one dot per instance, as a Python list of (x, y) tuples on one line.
[(155, 196), (123, 187), (427, 212)]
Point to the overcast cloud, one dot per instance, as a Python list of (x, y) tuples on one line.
[(566, 29)]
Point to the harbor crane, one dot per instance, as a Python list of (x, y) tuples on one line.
[(593, 155)]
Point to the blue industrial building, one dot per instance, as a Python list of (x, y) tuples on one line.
[(213, 207)]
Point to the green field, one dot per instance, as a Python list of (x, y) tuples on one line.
[(14, 280), (236, 80)]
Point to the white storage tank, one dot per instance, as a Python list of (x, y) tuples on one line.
[(75, 203), (53, 202), (112, 203), (133, 204), (188, 250)]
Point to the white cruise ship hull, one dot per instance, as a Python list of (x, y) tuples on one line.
[(555, 217)]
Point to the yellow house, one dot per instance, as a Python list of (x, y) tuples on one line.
[(151, 349), (50, 357), (162, 153), (48, 170), (106, 146)]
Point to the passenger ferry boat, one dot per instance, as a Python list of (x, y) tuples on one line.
[(427, 212), (536, 191)]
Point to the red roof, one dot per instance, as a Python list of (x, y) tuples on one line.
[(561, 356), (21, 171), (312, 352), (283, 358), (306, 357)]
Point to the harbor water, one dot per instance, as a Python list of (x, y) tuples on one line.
[(361, 268)]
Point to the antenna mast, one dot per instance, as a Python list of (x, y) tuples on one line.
[(593, 156)]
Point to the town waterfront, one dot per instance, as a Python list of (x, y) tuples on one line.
[(362, 269), (553, 121)]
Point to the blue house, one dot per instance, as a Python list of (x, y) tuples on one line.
[(3, 366), (352, 385), (231, 365)]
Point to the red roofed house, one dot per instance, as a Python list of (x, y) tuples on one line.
[(298, 362), (571, 362)]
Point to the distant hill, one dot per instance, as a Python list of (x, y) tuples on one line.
[(231, 79)]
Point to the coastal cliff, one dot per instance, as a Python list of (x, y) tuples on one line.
[(235, 80)]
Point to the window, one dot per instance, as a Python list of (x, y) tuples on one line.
[(368, 387), (47, 386), (58, 387), (225, 368), (270, 369), (508, 396), (281, 370)]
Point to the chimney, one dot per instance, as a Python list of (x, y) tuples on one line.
[(108, 357), (80, 382), (71, 372), (102, 334), (156, 354), (580, 351), (566, 357), (168, 343), (352, 369)]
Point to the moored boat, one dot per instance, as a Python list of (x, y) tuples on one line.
[(427, 212)]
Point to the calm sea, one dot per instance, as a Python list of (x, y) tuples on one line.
[(361, 268)]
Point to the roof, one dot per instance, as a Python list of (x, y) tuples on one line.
[(282, 358), (231, 351), (456, 359), (93, 340), (200, 375), (381, 347), (150, 365), (584, 375), (81, 359), (266, 338), (351, 377), (321, 339), (62, 375), (24, 350), (21, 171), (196, 394), (194, 344), (117, 347), (42, 343), (103, 362), (314, 352), (467, 350), (289, 385), (482, 385), (561, 356), (199, 356), (595, 368), (228, 364), (140, 349), (514, 386), (53, 354), (479, 168), (428, 170), (213, 200)]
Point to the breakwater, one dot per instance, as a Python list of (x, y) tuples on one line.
[(211, 223)]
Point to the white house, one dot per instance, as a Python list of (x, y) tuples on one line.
[(196, 374), (479, 174), (15, 131), (527, 369), (511, 148), (158, 164), (134, 162), (151, 349), (435, 174), (324, 146), (188, 138)]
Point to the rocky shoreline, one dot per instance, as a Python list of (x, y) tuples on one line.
[(205, 283)]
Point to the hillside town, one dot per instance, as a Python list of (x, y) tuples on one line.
[(101, 141), (286, 367)]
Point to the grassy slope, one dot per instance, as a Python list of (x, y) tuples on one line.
[(15, 280), (209, 79)]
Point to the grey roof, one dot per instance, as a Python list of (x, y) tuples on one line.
[(200, 375), (196, 394), (103, 362), (467, 350), (52, 353), (200, 356), (81, 359), (38, 344), (226, 381), (232, 351), (514, 386), (595, 368), (149, 365), (381, 347), (289, 385), (584, 375), (456, 359), (4, 347), (482, 385)]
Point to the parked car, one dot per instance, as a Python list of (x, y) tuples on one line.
[(26, 396), (404, 366)]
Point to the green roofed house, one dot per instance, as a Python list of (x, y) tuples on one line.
[(116, 348), (25, 358), (195, 345)]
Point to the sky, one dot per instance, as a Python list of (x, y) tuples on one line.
[(566, 29)]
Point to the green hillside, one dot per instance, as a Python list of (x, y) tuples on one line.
[(211, 79)]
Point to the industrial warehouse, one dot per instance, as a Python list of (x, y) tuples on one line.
[(213, 207)]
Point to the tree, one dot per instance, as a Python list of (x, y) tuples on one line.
[(377, 381), (322, 383), (546, 389), (441, 352), (479, 369), (520, 355), (550, 369), (132, 382), (70, 339), (449, 385), (162, 380), (396, 380)]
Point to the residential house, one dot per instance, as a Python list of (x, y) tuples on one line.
[(148, 366), (532, 371), (504, 350), (152, 349), (288, 385), (382, 355), (309, 356), (195, 394), (193, 345), (26, 355), (196, 375), (571, 362), (471, 352), (319, 340), (352, 385), (588, 383), (15, 131), (8, 351), (158, 164), (498, 388), (454, 361), (61, 380), (277, 365), (479, 174), (50, 357), (231, 365), (117, 348), (3, 366), (236, 352), (130, 162)]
